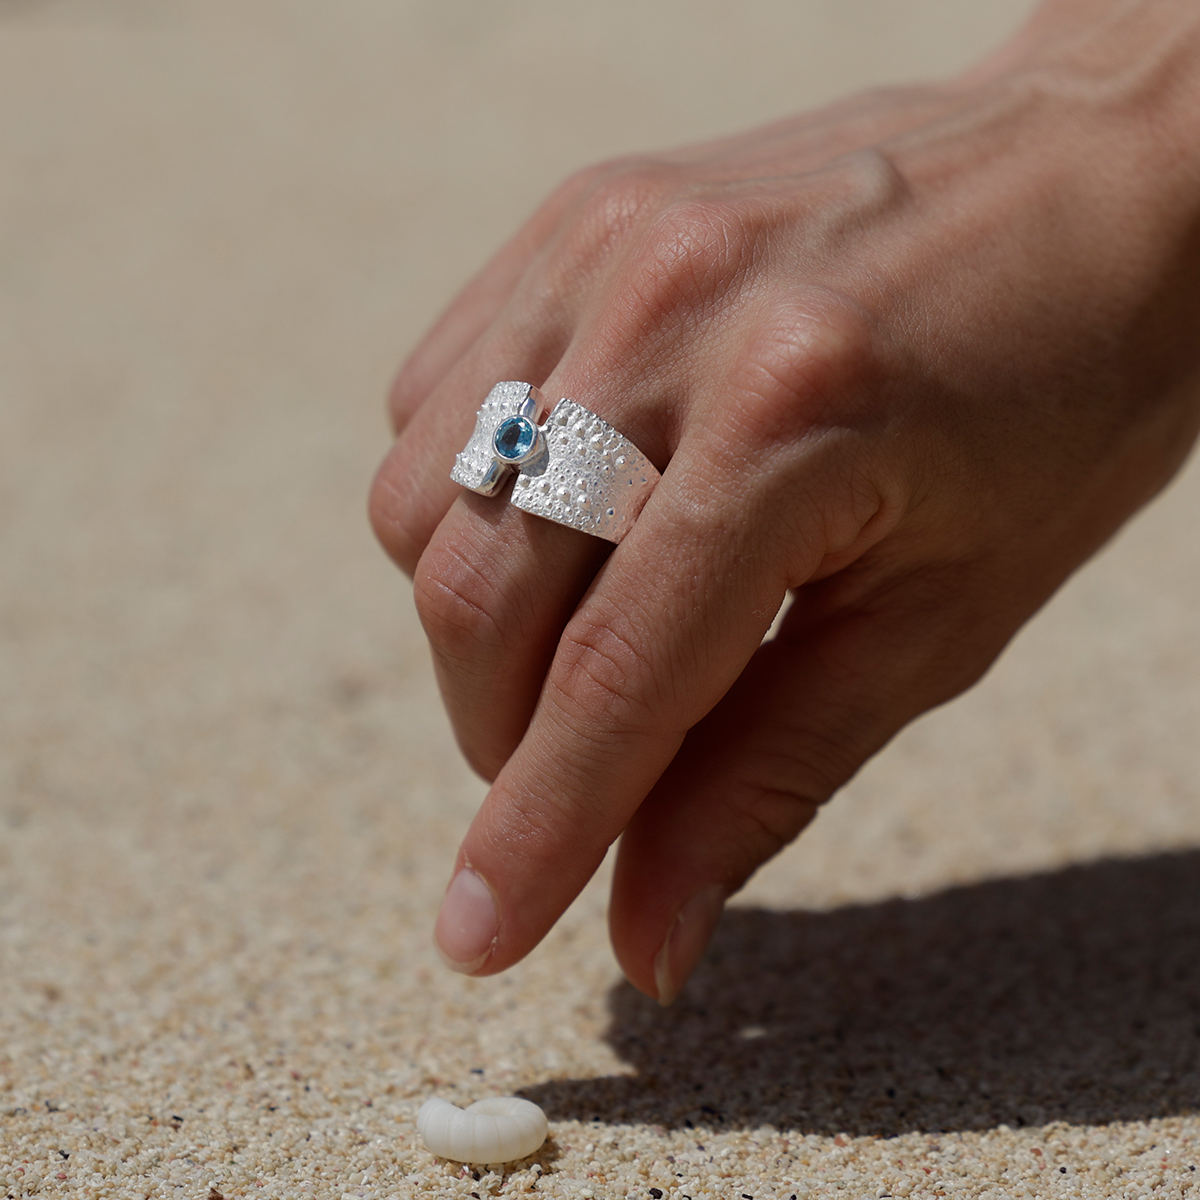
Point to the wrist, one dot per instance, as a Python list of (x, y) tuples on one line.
[(1105, 94), (1076, 151), (1129, 62)]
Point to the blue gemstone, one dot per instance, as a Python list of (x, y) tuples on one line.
[(514, 438)]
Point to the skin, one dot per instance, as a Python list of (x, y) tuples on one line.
[(910, 360)]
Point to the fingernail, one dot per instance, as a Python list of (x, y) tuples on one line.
[(686, 941), (465, 932)]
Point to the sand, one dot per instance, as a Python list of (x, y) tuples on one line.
[(229, 800)]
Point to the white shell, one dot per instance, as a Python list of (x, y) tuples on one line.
[(489, 1131)]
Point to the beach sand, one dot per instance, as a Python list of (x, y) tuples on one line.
[(229, 800)]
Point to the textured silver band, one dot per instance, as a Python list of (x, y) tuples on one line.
[(574, 469)]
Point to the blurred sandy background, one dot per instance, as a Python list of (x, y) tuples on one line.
[(228, 798)]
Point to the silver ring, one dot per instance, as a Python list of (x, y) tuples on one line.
[(574, 468)]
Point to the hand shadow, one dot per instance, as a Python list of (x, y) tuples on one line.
[(1072, 996)]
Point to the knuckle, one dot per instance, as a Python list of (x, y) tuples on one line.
[(610, 200), (807, 363), (536, 823), (850, 192), (456, 603), (619, 192), (392, 519), (873, 182), (775, 800), (817, 765), (764, 819), (599, 679), (581, 184), (693, 252)]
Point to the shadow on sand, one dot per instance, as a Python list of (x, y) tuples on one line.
[(1072, 996)]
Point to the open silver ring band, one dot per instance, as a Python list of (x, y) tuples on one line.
[(573, 468)]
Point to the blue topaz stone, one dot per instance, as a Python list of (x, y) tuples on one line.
[(515, 440)]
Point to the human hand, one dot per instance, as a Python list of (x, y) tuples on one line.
[(910, 359)]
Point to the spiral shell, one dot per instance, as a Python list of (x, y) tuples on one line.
[(489, 1131)]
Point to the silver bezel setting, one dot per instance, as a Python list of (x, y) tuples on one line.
[(475, 466), (536, 445)]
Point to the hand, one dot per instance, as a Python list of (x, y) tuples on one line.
[(911, 359)]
